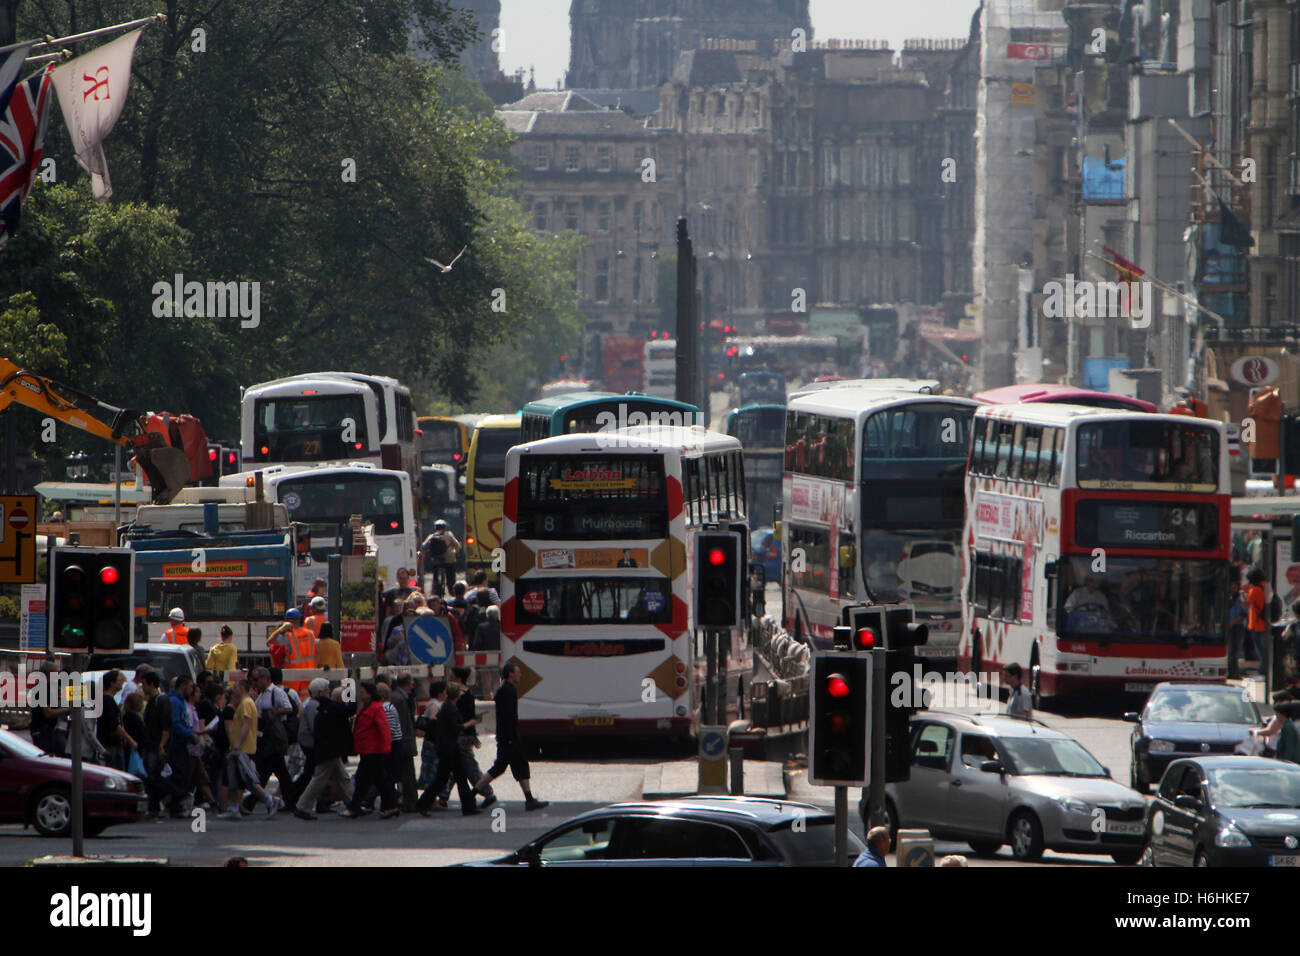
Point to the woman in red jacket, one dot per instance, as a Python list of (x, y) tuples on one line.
[(372, 741)]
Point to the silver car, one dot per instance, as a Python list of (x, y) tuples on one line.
[(991, 781)]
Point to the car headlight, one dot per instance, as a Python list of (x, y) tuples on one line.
[(1072, 805), (1161, 747), (1231, 836), (112, 783)]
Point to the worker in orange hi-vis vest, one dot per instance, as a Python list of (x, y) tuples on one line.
[(317, 616), (178, 633), (300, 649)]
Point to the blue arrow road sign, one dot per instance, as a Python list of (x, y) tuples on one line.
[(429, 640)]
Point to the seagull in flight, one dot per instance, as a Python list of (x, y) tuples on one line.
[(447, 268)]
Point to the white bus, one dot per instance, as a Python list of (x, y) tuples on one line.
[(1097, 547), (326, 417), (872, 508), (596, 595), (660, 367), (326, 496)]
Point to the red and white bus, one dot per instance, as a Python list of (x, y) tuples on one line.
[(1096, 547), (872, 507), (1061, 395), (596, 594)]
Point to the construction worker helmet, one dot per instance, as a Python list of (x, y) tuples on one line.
[(293, 614), (440, 523), (317, 601), (177, 614)]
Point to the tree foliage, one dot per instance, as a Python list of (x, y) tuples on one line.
[(234, 160)]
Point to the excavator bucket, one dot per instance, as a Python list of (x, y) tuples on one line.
[(167, 468)]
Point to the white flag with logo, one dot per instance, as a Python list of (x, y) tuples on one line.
[(92, 90)]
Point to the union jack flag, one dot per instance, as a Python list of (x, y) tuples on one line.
[(22, 142)]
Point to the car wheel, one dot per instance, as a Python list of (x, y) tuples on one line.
[(1148, 857), (984, 847), (52, 812), (1201, 858), (1026, 836), (1127, 857)]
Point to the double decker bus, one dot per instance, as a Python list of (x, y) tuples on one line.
[(443, 441), (325, 497), (872, 508), (485, 482), (596, 598), (581, 412), (1061, 394), (660, 367), (760, 388), (1097, 547), (761, 432), (326, 417)]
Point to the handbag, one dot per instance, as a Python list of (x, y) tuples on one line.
[(135, 765)]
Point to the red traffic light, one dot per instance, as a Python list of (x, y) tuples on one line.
[(838, 686), (73, 574), (865, 638), (717, 556), (231, 458), (108, 575), (839, 724), (212, 454)]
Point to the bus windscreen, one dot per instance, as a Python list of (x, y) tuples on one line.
[(309, 428)]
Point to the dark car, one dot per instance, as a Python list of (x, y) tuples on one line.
[(1187, 720), (1225, 811), (36, 790), (689, 831)]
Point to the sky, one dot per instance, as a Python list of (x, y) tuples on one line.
[(536, 32)]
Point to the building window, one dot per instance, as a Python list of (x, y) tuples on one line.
[(602, 217), (602, 280), (846, 221), (904, 222), (604, 159), (636, 280), (540, 218), (572, 219), (638, 215), (541, 158), (572, 159)]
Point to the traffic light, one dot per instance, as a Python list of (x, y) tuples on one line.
[(902, 636), (839, 735), (224, 461), (718, 576), (91, 599)]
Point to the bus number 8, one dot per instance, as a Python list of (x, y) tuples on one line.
[(548, 523)]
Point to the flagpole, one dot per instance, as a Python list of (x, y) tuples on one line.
[(61, 55), (1164, 287), (102, 31)]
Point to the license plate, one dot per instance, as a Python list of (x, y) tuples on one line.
[(1132, 828), (594, 721), (1136, 687), (1284, 861)]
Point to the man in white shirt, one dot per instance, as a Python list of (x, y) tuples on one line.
[(1019, 703)]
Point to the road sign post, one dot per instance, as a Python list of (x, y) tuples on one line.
[(713, 759)]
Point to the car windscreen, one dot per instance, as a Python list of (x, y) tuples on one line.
[(1193, 705), (814, 845), (1049, 756), (1233, 787), (17, 746)]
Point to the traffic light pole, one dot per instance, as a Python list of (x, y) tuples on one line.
[(78, 780), (879, 692), (711, 677), (841, 826)]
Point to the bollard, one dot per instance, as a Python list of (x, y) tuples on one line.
[(915, 848), (737, 772)]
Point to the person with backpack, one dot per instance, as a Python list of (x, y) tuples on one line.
[(440, 551), (1257, 615), (273, 712)]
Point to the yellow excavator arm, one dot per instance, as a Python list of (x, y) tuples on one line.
[(167, 468)]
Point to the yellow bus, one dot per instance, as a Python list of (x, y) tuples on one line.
[(443, 441), (485, 482)]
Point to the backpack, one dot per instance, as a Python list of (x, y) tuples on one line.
[(437, 547)]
